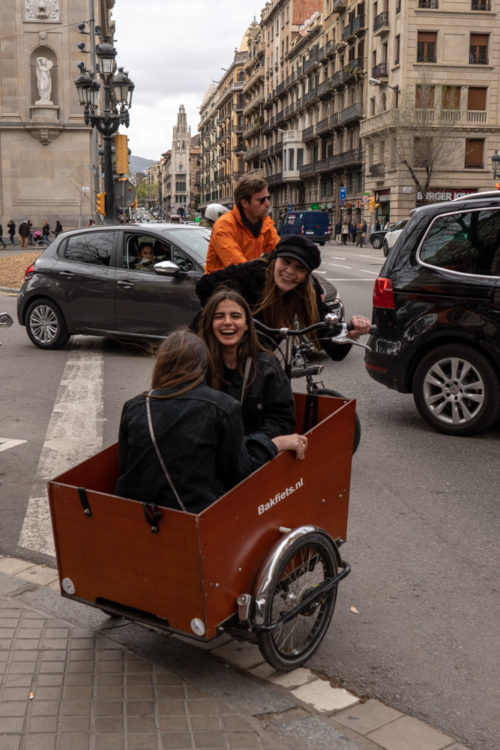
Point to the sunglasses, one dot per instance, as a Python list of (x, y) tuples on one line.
[(264, 198)]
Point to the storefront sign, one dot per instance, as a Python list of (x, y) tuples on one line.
[(444, 194)]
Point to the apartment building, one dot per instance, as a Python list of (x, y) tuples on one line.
[(221, 127), (436, 105)]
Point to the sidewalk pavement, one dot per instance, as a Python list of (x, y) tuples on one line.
[(72, 678)]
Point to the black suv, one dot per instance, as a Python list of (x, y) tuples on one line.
[(436, 305)]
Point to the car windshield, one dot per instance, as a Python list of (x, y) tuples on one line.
[(193, 239), (402, 223)]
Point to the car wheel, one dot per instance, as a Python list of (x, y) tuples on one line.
[(45, 325), (456, 390), (377, 243), (386, 248)]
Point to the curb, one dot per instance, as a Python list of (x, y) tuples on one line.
[(321, 709)]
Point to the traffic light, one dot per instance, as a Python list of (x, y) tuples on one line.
[(101, 203), (121, 154), (372, 204)]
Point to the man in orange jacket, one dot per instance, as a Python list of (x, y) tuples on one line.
[(246, 232)]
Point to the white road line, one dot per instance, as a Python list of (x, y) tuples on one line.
[(74, 433), (363, 270), (336, 265), (6, 443)]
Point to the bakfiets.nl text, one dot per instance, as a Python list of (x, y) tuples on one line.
[(279, 496)]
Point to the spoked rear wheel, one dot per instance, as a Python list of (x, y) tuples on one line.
[(306, 564), (357, 423)]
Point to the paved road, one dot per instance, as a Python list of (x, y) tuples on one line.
[(423, 533)]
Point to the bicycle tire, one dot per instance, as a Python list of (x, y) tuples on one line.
[(308, 563), (357, 423)]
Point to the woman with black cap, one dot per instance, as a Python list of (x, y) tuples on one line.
[(281, 289)]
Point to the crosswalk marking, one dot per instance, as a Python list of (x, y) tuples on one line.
[(6, 443), (74, 433)]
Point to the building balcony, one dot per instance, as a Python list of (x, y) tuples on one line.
[(476, 116), (334, 120), (325, 87), (310, 96), (330, 47), (308, 133), (354, 112), (276, 148), (251, 153), (280, 117), (306, 170), (378, 123), (322, 165), (381, 22), (358, 23), (347, 32), (339, 5), (380, 70), (351, 158), (351, 69), (274, 179), (337, 79), (256, 75), (323, 126)]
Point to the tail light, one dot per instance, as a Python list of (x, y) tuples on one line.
[(383, 294), (29, 271), (302, 229)]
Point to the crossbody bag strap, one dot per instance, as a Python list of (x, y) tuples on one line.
[(160, 457), (246, 375)]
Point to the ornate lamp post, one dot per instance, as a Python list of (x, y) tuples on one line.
[(118, 91)]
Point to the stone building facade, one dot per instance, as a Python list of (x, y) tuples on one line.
[(343, 99), (45, 147)]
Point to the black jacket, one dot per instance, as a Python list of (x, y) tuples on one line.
[(268, 406), (200, 437), (249, 279)]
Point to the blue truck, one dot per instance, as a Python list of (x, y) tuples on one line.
[(313, 224)]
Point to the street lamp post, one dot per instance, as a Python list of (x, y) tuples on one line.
[(118, 89)]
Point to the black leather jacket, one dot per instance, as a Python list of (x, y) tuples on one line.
[(268, 406), (249, 279), (200, 437)]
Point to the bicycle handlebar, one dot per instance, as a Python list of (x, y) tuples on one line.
[(327, 323)]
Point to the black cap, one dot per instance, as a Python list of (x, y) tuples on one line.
[(299, 248)]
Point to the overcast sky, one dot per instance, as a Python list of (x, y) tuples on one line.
[(172, 50)]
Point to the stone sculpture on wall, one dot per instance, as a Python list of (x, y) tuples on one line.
[(41, 10), (44, 80)]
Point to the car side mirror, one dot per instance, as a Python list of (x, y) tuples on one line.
[(167, 268)]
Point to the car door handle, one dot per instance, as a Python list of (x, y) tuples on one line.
[(125, 284), (66, 273)]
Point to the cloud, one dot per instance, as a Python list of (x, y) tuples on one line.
[(172, 51)]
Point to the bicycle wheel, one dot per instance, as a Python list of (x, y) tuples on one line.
[(357, 423), (308, 562)]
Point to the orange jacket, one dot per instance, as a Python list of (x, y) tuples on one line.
[(232, 242)]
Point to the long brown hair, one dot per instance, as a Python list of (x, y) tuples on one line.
[(182, 360), (279, 310), (249, 345)]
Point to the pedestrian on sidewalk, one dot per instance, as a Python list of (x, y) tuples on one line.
[(345, 233), (12, 230), (46, 232), (361, 234), (1, 236), (338, 232), (24, 233), (58, 229)]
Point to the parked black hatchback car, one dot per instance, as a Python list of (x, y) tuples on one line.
[(436, 305)]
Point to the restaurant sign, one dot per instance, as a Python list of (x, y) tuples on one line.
[(444, 194)]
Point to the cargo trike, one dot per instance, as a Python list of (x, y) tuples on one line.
[(262, 563)]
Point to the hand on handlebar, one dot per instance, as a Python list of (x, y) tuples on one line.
[(359, 326), (295, 442)]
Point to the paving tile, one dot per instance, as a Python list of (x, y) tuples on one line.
[(13, 708), (10, 741), (173, 723), (75, 741), (366, 717), (42, 724), (293, 679), (40, 742), (110, 742), (39, 575), (407, 733), (142, 742), (205, 707), (12, 566), (323, 697), (106, 724), (206, 740), (243, 740), (177, 740), (242, 655)]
